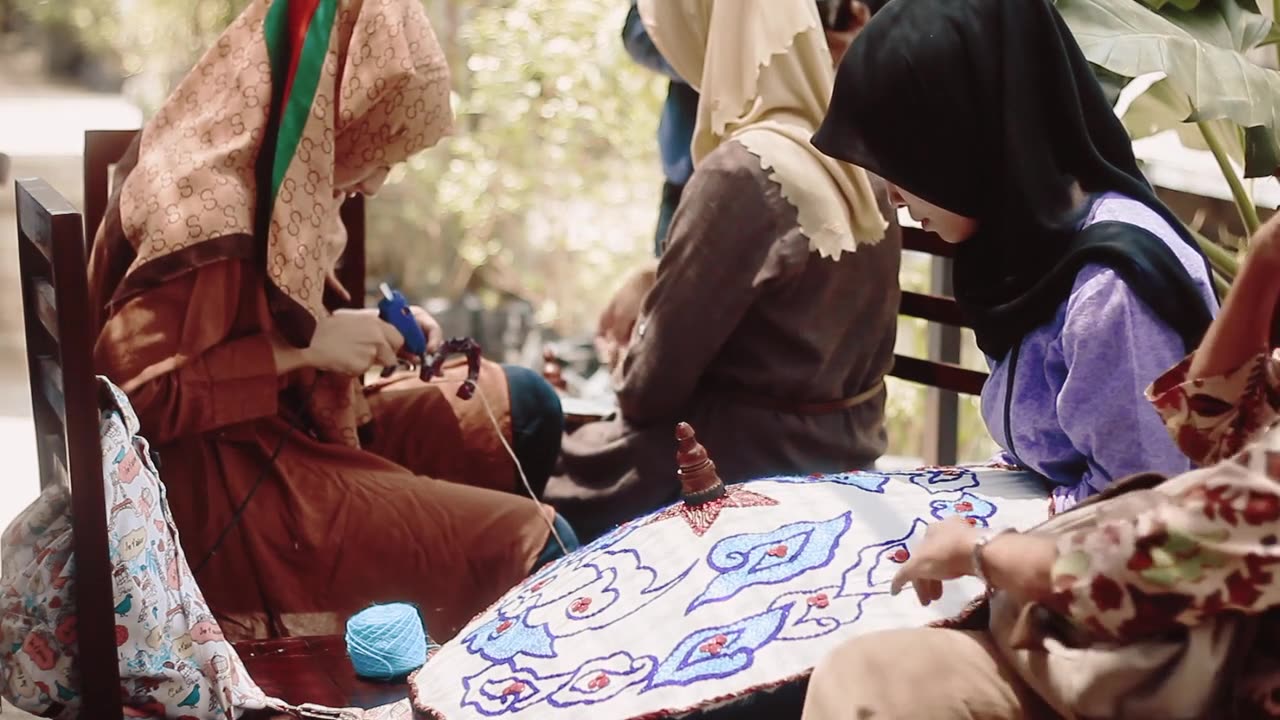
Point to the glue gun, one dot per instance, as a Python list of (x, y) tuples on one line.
[(394, 309)]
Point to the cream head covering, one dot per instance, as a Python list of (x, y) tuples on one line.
[(248, 159), (764, 73)]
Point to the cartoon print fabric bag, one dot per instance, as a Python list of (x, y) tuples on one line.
[(174, 661)]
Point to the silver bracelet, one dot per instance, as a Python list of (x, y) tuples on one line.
[(979, 567)]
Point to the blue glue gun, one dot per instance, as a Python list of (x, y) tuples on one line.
[(394, 309)]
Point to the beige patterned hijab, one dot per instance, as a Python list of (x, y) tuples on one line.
[(357, 86), (764, 73)]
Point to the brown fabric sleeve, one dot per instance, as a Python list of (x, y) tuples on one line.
[(719, 239), (176, 350)]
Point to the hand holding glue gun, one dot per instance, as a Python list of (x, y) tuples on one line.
[(421, 334), (350, 342), (420, 331)]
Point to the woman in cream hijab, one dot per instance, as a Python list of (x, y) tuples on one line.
[(300, 496), (771, 321)]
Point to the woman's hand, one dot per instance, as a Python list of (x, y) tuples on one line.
[(430, 327), (617, 322), (1265, 245), (1018, 563), (351, 342), (945, 554)]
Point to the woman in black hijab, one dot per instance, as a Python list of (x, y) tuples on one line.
[(1081, 286)]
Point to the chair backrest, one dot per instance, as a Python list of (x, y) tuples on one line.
[(940, 369), (65, 405), (103, 149), (943, 374)]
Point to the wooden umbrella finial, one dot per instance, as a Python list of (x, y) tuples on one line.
[(699, 481)]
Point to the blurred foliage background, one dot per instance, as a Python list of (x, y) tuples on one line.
[(548, 191)]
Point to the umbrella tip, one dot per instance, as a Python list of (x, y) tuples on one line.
[(699, 481)]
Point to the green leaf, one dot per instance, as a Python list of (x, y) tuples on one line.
[(1158, 109), (1261, 153), (1201, 52), (1235, 24), (1162, 108), (1112, 83)]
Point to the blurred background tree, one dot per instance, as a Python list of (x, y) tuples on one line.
[(547, 193), (548, 189)]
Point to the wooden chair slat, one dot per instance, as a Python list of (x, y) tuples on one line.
[(46, 307), (917, 240), (64, 398), (351, 266), (50, 382), (933, 308), (51, 445), (58, 464), (938, 374), (53, 464), (102, 150)]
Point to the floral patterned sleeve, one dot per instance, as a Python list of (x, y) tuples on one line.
[(1212, 419), (1157, 561), (1205, 542)]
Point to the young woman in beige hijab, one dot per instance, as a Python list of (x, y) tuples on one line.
[(300, 497), (771, 320)]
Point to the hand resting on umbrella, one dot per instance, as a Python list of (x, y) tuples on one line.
[(1017, 563)]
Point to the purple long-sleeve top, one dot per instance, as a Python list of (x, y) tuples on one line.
[(1079, 416)]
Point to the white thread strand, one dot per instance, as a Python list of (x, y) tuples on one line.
[(497, 429), (519, 468)]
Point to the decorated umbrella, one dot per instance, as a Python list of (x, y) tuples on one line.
[(730, 592)]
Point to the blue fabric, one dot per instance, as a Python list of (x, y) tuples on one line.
[(552, 550), (641, 48), (670, 201), (675, 132), (537, 425), (679, 113)]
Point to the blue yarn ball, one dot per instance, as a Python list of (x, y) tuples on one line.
[(387, 642)]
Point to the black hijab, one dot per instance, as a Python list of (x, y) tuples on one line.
[(988, 108)]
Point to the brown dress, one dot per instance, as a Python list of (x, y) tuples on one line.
[(331, 528), (349, 496), (746, 335)]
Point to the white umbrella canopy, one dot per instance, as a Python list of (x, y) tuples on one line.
[(726, 594)]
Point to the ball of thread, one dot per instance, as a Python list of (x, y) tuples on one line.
[(387, 642)]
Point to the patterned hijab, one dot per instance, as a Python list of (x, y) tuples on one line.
[(763, 72), (294, 105)]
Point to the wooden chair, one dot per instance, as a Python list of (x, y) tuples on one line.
[(940, 369), (65, 405), (103, 149), (64, 402)]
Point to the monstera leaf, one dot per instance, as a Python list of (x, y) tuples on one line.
[(1180, 4), (1162, 107), (1200, 47)]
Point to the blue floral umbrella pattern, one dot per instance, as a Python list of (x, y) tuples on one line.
[(733, 591)]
